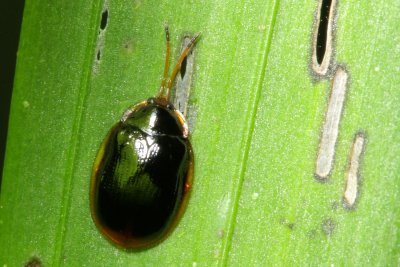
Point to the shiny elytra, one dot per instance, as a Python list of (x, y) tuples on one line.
[(143, 171)]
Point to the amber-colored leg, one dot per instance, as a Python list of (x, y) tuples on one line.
[(166, 63), (177, 67)]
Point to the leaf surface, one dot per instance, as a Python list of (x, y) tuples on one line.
[(257, 113)]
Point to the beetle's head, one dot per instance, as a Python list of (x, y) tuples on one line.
[(156, 116)]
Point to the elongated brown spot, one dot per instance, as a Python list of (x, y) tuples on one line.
[(353, 176), (330, 130)]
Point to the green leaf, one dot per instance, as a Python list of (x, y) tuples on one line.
[(259, 115)]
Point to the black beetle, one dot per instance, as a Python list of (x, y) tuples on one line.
[(143, 171)]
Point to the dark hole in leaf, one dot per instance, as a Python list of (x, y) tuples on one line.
[(183, 67), (104, 17), (98, 56), (323, 29)]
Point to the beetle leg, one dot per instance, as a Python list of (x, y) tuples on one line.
[(177, 67)]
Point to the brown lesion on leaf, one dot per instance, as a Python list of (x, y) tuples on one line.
[(33, 262), (184, 80), (182, 92), (352, 184), (330, 129), (285, 222), (329, 226)]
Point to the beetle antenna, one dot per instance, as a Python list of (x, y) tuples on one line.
[(166, 62), (178, 65)]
